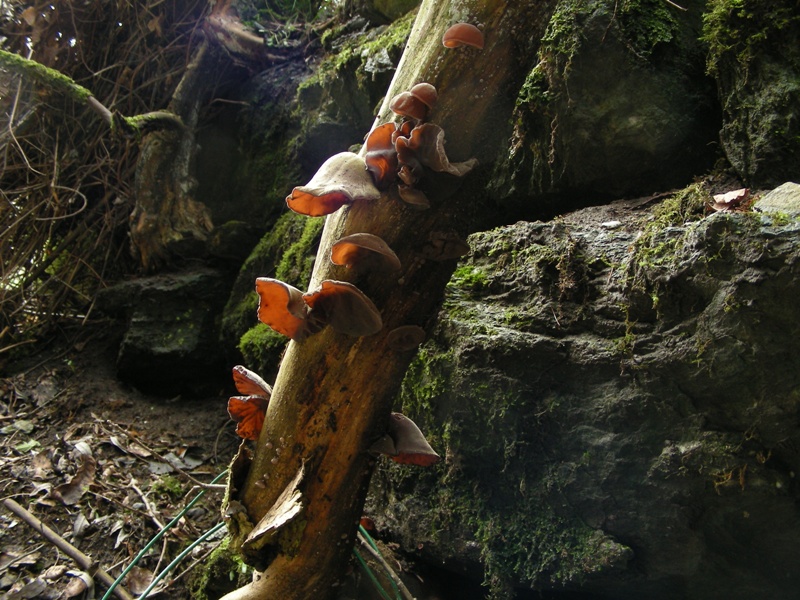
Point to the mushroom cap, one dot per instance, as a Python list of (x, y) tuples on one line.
[(363, 247), (340, 180), (406, 104), (410, 167), (249, 413), (413, 197), (427, 142), (463, 34), (250, 383), (380, 156), (405, 337), (345, 308), (410, 443), (425, 93), (282, 307)]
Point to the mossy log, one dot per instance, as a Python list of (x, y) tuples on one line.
[(333, 394)]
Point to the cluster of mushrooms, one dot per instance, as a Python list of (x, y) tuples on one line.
[(397, 155)]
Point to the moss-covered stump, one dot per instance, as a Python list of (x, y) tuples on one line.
[(617, 397)]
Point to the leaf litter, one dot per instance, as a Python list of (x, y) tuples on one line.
[(101, 465)]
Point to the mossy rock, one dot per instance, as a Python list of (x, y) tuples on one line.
[(755, 59), (592, 384), (287, 253), (616, 92)]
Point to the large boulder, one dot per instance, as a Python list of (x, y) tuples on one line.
[(615, 102), (616, 397), (170, 346), (755, 59)]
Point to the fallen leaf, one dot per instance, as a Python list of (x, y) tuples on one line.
[(23, 425), (80, 583), (70, 493), (54, 572), (138, 579), (79, 526), (41, 465), (26, 447), (730, 200)]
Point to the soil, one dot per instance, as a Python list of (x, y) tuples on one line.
[(104, 466)]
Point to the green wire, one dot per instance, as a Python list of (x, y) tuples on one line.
[(179, 558), (371, 575), (372, 543), (157, 537)]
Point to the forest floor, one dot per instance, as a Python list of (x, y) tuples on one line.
[(105, 467)]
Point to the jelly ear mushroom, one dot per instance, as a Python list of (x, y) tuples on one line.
[(380, 156), (344, 307), (406, 444), (282, 307), (425, 93), (463, 34), (249, 383), (406, 104), (363, 249), (427, 142), (342, 179)]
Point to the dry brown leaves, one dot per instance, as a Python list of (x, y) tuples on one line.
[(105, 469)]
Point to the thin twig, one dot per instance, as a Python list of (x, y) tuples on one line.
[(85, 562)]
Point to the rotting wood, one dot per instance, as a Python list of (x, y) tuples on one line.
[(333, 394)]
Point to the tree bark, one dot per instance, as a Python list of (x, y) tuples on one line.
[(334, 393)]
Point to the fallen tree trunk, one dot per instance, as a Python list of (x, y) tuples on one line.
[(306, 485)]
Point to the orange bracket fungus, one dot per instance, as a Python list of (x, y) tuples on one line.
[(404, 443), (342, 179), (282, 307), (296, 315), (425, 93), (363, 249), (248, 411), (380, 156), (463, 34), (344, 307)]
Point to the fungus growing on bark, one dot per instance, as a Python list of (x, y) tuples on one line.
[(249, 410), (344, 307), (380, 156), (282, 307), (342, 179), (408, 105), (405, 337), (730, 200), (413, 197), (425, 93), (296, 315), (404, 443), (463, 34), (427, 143), (363, 249)]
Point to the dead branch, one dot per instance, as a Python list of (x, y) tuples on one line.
[(85, 562)]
